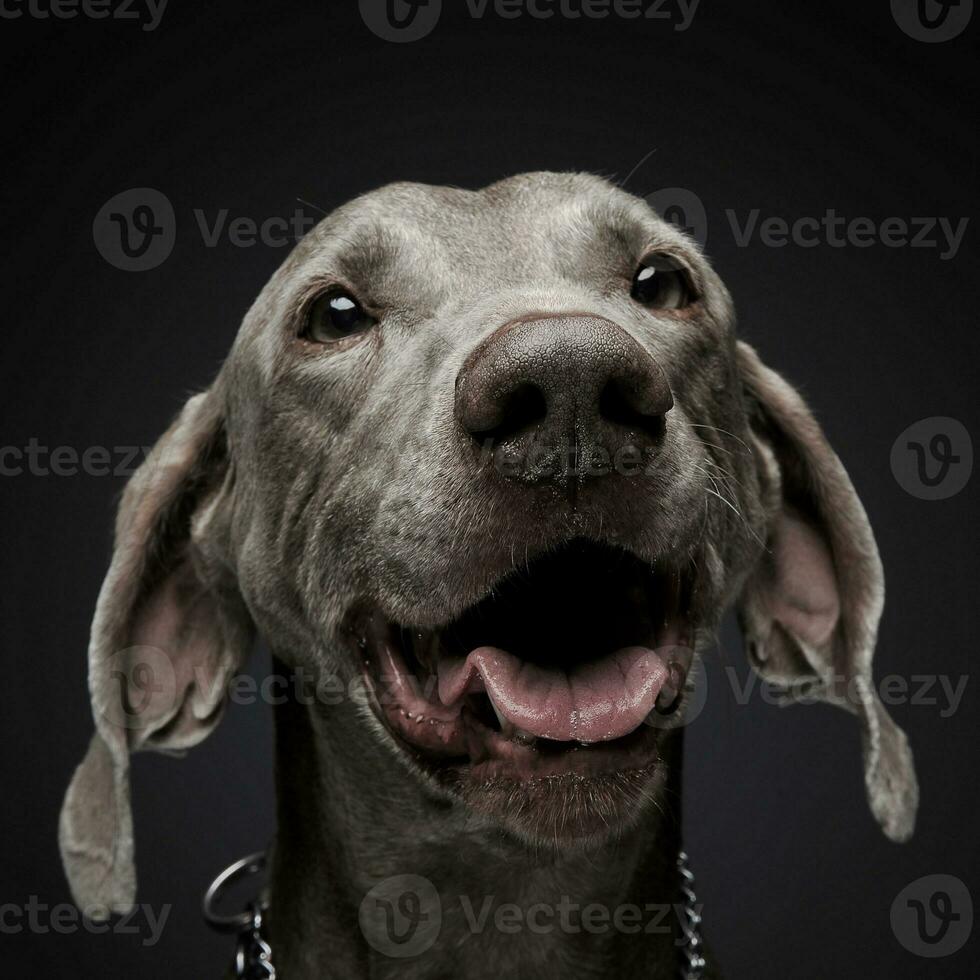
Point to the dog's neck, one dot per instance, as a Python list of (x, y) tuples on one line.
[(351, 816)]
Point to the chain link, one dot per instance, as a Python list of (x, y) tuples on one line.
[(693, 948), (253, 954), (253, 957)]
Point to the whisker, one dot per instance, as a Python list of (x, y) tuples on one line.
[(727, 474), (728, 503), (715, 428), (646, 157)]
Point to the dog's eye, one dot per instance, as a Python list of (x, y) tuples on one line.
[(335, 315), (662, 283)]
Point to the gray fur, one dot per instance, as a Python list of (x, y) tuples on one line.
[(307, 479)]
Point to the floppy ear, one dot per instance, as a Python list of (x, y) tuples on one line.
[(169, 630), (810, 609)]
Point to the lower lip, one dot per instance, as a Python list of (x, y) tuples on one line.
[(481, 752), (492, 756)]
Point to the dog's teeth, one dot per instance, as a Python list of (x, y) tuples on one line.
[(670, 693), (507, 728), (525, 738)]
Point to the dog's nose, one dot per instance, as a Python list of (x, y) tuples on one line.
[(557, 392)]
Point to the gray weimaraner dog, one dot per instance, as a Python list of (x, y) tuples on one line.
[(493, 464)]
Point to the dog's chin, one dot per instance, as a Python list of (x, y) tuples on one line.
[(544, 705)]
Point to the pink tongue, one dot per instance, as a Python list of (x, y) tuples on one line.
[(594, 702)]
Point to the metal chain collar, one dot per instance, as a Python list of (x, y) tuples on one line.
[(693, 948), (253, 954)]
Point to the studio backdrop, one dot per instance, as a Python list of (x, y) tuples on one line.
[(161, 161)]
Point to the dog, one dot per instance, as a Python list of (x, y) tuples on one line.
[(495, 463)]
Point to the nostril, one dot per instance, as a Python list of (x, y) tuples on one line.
[(520, 409), (625, 403)]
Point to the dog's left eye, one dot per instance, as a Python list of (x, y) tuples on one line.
[(336, 315), (662, 283)]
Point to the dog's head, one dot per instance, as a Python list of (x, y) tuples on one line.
[(499, 456)]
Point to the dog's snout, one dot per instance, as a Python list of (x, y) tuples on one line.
[(561, 385)]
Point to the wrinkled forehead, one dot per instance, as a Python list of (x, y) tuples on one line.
[(431, 242)]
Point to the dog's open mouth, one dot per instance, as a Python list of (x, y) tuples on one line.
[(558, 670)]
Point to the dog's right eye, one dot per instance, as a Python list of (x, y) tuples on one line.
[(335, 315), (662, 282)]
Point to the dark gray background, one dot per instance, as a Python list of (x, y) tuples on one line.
[(793, 109)]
